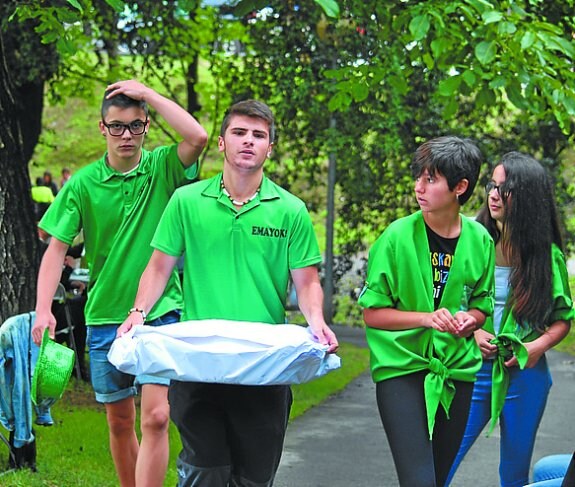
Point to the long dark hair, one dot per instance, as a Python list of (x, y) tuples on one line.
[(530, 226)]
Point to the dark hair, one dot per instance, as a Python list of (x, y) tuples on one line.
[(530, 227), (121, 101), (452, 157), (250, 108)]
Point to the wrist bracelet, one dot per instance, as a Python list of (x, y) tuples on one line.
[(138, 310)]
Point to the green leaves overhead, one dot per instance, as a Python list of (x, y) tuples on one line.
[(244, 7), (489, 51)]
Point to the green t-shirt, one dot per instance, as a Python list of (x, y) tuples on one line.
[(118, 214), (237, 262), (400, 276)]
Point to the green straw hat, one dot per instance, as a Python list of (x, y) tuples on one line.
[(52, 372)]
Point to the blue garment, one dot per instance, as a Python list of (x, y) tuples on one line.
[(524, 405), (18, 355), (111, 385), (501, 292), (550, 471)]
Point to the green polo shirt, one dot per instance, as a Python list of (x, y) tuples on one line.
[(237, 262), (118, 214), (400, 276)]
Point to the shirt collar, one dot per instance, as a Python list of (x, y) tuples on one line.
[(268, 191), (107, 172)]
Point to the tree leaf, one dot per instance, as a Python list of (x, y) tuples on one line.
[(419, 26), (469, 78), (439, 46), (76, 4), (340, 101), (515, 96), (485, 98), (527, 40), (506, 28), (449, 86), (117, 5), (486, 51), (330, 7), (491, 16), (569, 104), (360, 91), (244, 7)]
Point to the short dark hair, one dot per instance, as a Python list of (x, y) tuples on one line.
[(452, 157), (250, 108), (121, 101)]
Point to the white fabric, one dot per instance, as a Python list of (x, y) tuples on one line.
[(222, 351)]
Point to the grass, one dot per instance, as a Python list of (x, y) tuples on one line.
[(74, 452)]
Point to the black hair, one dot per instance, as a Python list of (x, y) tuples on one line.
[(121, 101), (453, 157), (250, 108), (530, 226)]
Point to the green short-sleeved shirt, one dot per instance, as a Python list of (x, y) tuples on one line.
[(237, 262), (118, 214), (400, 276)]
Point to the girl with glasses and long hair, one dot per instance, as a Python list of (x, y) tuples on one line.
[(533, 311)]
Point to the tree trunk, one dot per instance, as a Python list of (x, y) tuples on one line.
[(18, 236), (194, 106)]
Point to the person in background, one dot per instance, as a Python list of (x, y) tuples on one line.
[(533, 312), (117, 201), (49, 182), (429, 287), (242, 237), (42, 197), (66, 175)]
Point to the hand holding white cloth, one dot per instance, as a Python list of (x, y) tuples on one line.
[(223, 351)]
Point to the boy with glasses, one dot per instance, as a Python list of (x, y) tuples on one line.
[(117, 201)]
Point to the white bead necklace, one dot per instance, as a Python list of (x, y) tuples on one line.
[(236, 202)]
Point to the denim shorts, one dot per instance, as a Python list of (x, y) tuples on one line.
[(111, 385)]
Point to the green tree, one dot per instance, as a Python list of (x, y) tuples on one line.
[(25, 65)]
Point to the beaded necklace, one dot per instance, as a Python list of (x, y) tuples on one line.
[(236, 202)]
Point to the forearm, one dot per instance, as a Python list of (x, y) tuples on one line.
[(179, 119), (154, 280), (49, 275), (310, 301), (394, 319), (553, 335)]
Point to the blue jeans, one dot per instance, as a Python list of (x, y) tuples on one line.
[(524, 406), (111, 385), (550, 470)]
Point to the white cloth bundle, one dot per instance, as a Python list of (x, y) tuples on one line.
[(222, 351)]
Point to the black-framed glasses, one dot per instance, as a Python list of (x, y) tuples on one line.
[(501, 189), (115, 129)]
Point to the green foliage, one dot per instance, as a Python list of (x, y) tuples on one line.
[(367, 86)]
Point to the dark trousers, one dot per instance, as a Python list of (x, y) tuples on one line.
[(419, 461), (231, 434)]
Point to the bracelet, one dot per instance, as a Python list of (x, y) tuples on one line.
[(138, 310)]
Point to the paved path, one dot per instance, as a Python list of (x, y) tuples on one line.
[(341, 443)]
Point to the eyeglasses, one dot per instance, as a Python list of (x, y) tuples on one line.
[(502, 191), (137, 127)]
